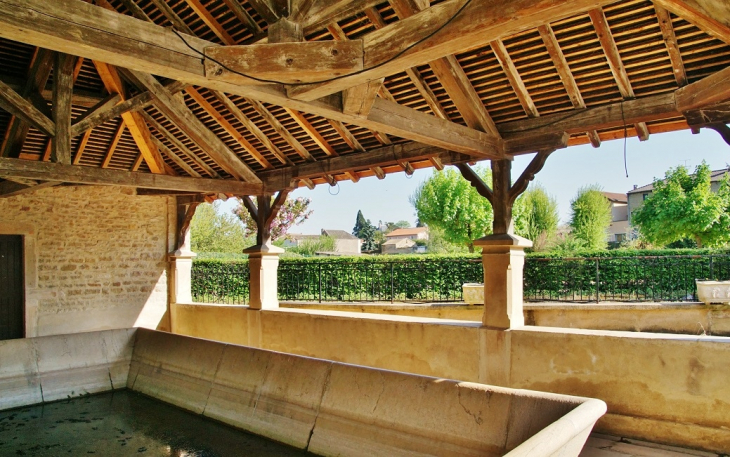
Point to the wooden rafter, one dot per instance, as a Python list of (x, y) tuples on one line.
[(280, 129), (82, 147), (346, 135), (670, 40), (90, 118), (133, 8), (515, 80), (311, 131), (712, 16), (36, 170), (265, 9), (24, 110), (172, 16), (175, 158), (62, 93), (324, 12), (210, 21), (113, 145), (245, 18)]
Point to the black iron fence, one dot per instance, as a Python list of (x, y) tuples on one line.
[(592, 279)]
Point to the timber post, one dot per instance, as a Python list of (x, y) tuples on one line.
[(181, 261)]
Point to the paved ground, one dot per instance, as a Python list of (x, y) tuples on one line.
[(599, 445)]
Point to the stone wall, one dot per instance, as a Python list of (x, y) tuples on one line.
[(95, 257)]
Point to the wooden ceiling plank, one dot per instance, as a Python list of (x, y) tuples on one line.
[(187, 122), (29, 169), (403, 45), (75, 26), (211, 21), (280, 129), (711, 16), (113, 146), (22, 108), (515, 80), (62, 93), (251, 126), (311, 131), (82, 146), (172, 16), (175, 158), (670, 40), (243, 16), (228, 127), (179, 144)]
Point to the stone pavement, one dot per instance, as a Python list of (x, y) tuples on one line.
[(599, 445)]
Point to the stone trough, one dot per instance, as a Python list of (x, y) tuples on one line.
[(325, 407)]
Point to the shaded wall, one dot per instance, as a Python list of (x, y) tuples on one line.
[(95, 257), (664, 388)]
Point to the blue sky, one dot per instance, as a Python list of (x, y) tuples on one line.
[(564, 173)]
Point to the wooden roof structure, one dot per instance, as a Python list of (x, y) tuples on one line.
[(250, 97)]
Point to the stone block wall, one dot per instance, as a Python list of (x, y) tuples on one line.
[(95, 257)]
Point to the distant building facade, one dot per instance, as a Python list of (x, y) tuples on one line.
[(345, 243), (618, 231)]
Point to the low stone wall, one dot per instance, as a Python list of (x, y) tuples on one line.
[(663, 388), (679, 318)]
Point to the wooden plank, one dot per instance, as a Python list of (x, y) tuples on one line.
[(187, 122), (280, 129), (62, 92), (29, 169), (598, 18), (93, 32), (230, 129), (179, 145), (515, 80), (711, 16), (294, 63), (670, 40), (251, 126), (21, 108), (450, 27), (311, 131), (358, 100), (211, 21), (385, 156), (707, 91)]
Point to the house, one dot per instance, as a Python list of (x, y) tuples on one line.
[(619, 228), (345, 243), (398, 246), (411, 233), (637, 195)]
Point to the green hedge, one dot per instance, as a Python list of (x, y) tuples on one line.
[(626, 275)]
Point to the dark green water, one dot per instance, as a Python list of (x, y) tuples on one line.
[(124, 423)]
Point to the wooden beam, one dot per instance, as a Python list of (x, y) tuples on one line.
[(82, 146), (600, 23), (172, 16), (436, 162), (291, 63), (113, 146), (358, 100), (526, 143), (210, 21), (528, 175), (135, 124), (711, 16), (186, 121), (175, 158), (230, 129), (179, 145), (93, 32), (450, 27), (280, 129), (594, 138), (251, 127), (242, 15), (723, 130), (11, 189), (346, 135), (670, 40), (29, 169), (62, 92), (385, 156), (22, 108), (642, 131), (476, 182), (276, 206), (705, 92), (82, 123), (379, 173), (715, 114), (514, 78)]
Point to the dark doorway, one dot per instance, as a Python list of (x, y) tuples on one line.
[(12, 320)]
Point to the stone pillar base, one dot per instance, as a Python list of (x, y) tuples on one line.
[(263, 265), (503, 258), (181, 270)]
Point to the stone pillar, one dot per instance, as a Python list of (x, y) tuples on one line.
[(263, 265), (181, 270), (503, 258)]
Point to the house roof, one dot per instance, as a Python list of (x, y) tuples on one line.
[(338, 234), (488, 81), (407, 231), (615, 197), (715, 176)]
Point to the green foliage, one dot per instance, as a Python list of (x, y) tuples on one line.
[(591, 217), (366, 232), (390, 226), (293, 212), (213, 231), (312, 247), (684, 206), (536, 217), (437, 244), (448, 202)]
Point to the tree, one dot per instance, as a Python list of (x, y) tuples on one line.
[(293, 212), (448, 202), (365, 231), (536, 216), (591, 216), (684, 206), (214, 231), (312, 247)]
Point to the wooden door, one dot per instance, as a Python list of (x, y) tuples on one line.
[(12, 300)]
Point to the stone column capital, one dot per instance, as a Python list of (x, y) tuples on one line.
[(502, 243), (261, 250)]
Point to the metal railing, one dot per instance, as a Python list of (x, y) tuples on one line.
[(649, 278)]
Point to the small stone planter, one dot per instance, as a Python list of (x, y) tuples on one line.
[(713, 291), (473, 293)]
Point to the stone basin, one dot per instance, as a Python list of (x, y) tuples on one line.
[(325, 407)]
